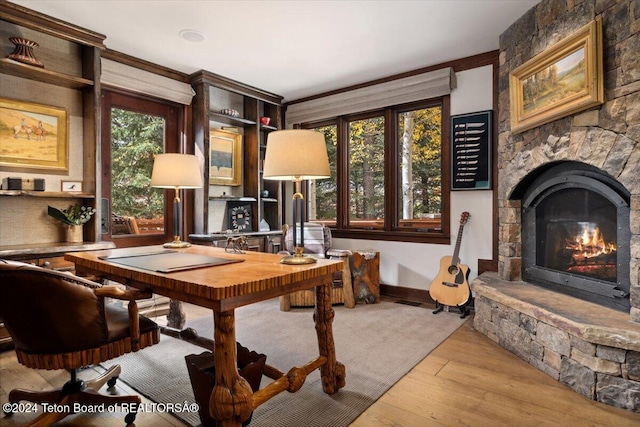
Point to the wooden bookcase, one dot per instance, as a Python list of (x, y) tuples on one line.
[(213, 94), (70, 79)]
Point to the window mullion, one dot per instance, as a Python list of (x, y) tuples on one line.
[(390, 171), (342, 220)]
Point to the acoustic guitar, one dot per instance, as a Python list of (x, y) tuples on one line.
[(450, 286)]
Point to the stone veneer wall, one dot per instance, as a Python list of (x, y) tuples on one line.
[(603, 368), (607, 136)]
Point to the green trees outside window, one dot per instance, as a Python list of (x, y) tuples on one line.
[(387, 170), (135, 139)]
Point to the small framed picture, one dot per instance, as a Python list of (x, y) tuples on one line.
[(71, 186)]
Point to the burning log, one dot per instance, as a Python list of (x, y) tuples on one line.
[(590, 248)]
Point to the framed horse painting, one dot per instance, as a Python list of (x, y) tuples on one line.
[(33, 136)]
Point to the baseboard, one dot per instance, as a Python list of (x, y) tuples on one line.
[(411, 294)]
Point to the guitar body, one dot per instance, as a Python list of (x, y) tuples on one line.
[(450, 286)]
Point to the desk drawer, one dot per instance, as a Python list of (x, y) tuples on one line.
[(54, 263)]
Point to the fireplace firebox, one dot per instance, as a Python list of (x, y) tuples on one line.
[(576, 235)]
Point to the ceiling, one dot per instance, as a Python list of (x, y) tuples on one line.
[(294, 48)]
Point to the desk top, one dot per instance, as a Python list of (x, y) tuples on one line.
[(261, 276)]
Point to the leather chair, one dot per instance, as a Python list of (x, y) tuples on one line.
[(60, 321), (317, 242)]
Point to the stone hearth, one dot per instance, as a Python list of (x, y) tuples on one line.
[(591, 348)]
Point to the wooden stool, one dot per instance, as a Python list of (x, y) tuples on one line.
[(347, 286), (365, 269)]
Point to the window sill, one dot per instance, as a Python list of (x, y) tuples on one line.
[(436, 238)]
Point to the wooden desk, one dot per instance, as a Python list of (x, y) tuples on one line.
[(224, 288)]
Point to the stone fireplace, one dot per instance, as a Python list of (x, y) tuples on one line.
[(566, 297), (575, 233)]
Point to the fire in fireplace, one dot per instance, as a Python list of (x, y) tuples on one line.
[(590, 254), (575, 234)]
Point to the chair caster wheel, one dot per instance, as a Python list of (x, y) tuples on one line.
[(130, 418), (112, 382)]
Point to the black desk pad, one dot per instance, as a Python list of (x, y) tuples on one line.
[(168, 261)]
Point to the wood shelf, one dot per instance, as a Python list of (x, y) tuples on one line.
[(47, 194), (267, 128), (237, 121), (9, 66), (233, 199)]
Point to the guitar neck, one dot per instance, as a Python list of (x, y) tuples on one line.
[(455, 260)]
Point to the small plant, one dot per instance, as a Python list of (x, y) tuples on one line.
[(73, 215)]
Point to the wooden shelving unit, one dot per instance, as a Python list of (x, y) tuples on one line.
[(214, 93), (75, 66)]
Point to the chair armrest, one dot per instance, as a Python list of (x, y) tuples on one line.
[(130, 295), (118, 293)]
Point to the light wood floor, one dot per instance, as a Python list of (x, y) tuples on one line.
[(467, 381)]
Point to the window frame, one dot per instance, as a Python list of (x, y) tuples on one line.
[(390, 231), (172, 113)]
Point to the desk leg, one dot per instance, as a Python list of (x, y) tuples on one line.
[(333, 372), (231, 401), (176, 317)]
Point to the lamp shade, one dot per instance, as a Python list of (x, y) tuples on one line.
[(296, 154), (173, 170)]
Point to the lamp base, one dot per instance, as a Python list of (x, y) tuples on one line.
[(176, 244), (298, 260)]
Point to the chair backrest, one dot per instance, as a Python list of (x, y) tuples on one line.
[(50, 312), (317, 238)]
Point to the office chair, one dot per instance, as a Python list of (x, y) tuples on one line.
[(60, 321)]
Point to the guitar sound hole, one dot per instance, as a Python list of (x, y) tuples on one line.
[(453, 270)]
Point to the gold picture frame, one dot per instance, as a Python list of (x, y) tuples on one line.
[(225, 158), (563, 80), (33, 136)]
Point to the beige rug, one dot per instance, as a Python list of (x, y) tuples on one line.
[(377, 343)]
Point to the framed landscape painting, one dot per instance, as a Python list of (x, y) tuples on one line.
[(225, 158), (33, 136), (562, 80)]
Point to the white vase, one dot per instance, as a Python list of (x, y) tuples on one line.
[(74, 234)]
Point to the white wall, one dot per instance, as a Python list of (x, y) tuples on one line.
[(414, 265)]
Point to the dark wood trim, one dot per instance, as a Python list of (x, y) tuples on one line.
[(462, 64), (28, 18), (172, 113), (222, 82), (487, 265), (411, 294), (494, 164), (141, 64), (394, 236), (200, 137)]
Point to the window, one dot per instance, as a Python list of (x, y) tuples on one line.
[(390, 174), (366, 172), (135, 129), (323, 202), (420, 167)]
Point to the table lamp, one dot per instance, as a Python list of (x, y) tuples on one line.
[(296, 155), (178, 171)]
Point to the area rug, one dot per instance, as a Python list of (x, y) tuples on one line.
[(377, 343)]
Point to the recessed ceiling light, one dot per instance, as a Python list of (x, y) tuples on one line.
[(194, 36)]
